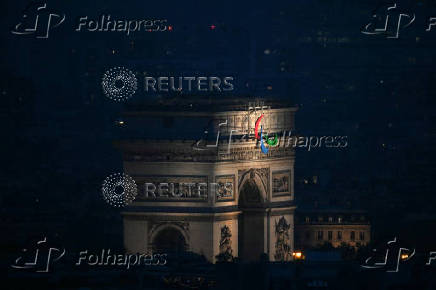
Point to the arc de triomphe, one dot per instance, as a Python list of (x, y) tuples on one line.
[(247, 206)]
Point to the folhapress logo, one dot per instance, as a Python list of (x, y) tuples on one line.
[(393, 255), (34, 262), (105, 23), (41, 258), (38, 20), (391, 21)]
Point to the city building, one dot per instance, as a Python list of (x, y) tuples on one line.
[(315, 228)]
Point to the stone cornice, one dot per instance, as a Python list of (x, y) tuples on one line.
[(177, 150), (181, 216), (202, 113)]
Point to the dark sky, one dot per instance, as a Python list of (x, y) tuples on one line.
[(59, 127)]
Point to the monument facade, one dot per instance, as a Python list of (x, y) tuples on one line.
[(219, 194)]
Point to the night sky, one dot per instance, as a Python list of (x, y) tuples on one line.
[(58, 127)]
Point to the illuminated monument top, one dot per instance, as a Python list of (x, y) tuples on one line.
[(251, 210)]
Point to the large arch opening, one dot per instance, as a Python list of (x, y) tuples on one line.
[(251, 222), (169, 240), (250, 196)]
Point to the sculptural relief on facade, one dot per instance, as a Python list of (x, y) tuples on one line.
[(283, 240), (281, 183), (226, 252)]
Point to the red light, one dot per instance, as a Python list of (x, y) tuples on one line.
[(170, 28), (212, 27)]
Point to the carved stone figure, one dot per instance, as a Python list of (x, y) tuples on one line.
[(283, 241), (226, 252)]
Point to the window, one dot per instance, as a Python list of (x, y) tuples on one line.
[(320, 219), (320, 235), (362, 236), (330, 219), (352, 235), (340, 219), (307, 219), (339, 235), (330, 235)]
